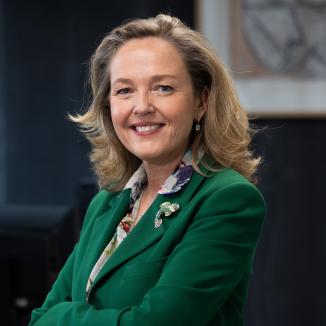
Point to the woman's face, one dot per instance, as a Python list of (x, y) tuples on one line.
[(152, 101)]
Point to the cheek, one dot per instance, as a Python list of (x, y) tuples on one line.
[(117, 124), (114, 117), (114, 120), (186, 117), (117, 116), (183, 126)]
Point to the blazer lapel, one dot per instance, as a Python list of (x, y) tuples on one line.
[(103, 230), (144, 234)]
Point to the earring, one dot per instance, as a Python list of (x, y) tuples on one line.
[(197, 127)]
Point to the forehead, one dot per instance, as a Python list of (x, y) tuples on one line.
[(150, 55)]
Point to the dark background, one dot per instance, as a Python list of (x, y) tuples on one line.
[(44, 50)]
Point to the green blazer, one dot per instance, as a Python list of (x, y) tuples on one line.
[(192, 270)]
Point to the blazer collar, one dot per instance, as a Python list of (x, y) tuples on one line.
[(142, 236), (103, 230)]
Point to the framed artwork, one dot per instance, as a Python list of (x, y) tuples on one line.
[(275, 50)]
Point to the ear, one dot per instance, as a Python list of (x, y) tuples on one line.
[(203, 103)]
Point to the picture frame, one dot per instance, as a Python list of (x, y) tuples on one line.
[(262, 94)]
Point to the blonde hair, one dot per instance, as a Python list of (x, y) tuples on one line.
[(225, 133)]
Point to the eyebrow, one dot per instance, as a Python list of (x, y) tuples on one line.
[(154, 78)]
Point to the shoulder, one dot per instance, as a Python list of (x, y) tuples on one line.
[(98, 205), (101, 200), (227, 189), (225, 178)]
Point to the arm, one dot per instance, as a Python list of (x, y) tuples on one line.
[(61, 289), (199, 275)]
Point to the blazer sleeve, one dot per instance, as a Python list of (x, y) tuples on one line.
[(199, 275), (61, 289)]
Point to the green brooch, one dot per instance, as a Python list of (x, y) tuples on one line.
[(166, 209)]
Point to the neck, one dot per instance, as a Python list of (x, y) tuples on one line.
[(157, 174)]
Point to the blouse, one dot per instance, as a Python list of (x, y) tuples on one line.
[(174, 183)]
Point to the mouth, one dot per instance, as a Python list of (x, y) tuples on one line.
[(146, 128)]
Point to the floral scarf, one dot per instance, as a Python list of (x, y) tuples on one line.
[(174, 183)]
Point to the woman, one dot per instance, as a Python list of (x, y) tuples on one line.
[(170, 237)]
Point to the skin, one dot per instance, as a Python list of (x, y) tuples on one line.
[(153, 107)]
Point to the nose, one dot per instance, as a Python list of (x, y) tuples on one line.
[(142, 103)]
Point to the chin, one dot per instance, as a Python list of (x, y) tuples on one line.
[(145, 153), (149, 157), (152, 156)]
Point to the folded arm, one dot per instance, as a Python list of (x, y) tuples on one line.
[(199, 275)]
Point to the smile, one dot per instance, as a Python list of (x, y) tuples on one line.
[(147, 128)]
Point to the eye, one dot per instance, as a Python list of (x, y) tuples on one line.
[(125, 90), (122, 91), (164, 88)]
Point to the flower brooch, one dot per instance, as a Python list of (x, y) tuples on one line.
[(166, 209)]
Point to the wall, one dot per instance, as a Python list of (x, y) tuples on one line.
[(2, 113), (46, 48), (288, 283)]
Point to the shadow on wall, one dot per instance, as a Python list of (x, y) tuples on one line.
[(288, 283), (46, 48)]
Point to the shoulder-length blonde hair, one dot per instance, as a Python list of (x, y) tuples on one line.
[(225, 134)]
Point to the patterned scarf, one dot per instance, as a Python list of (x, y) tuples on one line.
[(174, 183)]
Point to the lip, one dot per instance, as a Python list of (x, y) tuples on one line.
[(146, 128)]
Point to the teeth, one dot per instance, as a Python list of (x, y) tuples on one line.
[(146, 128)]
